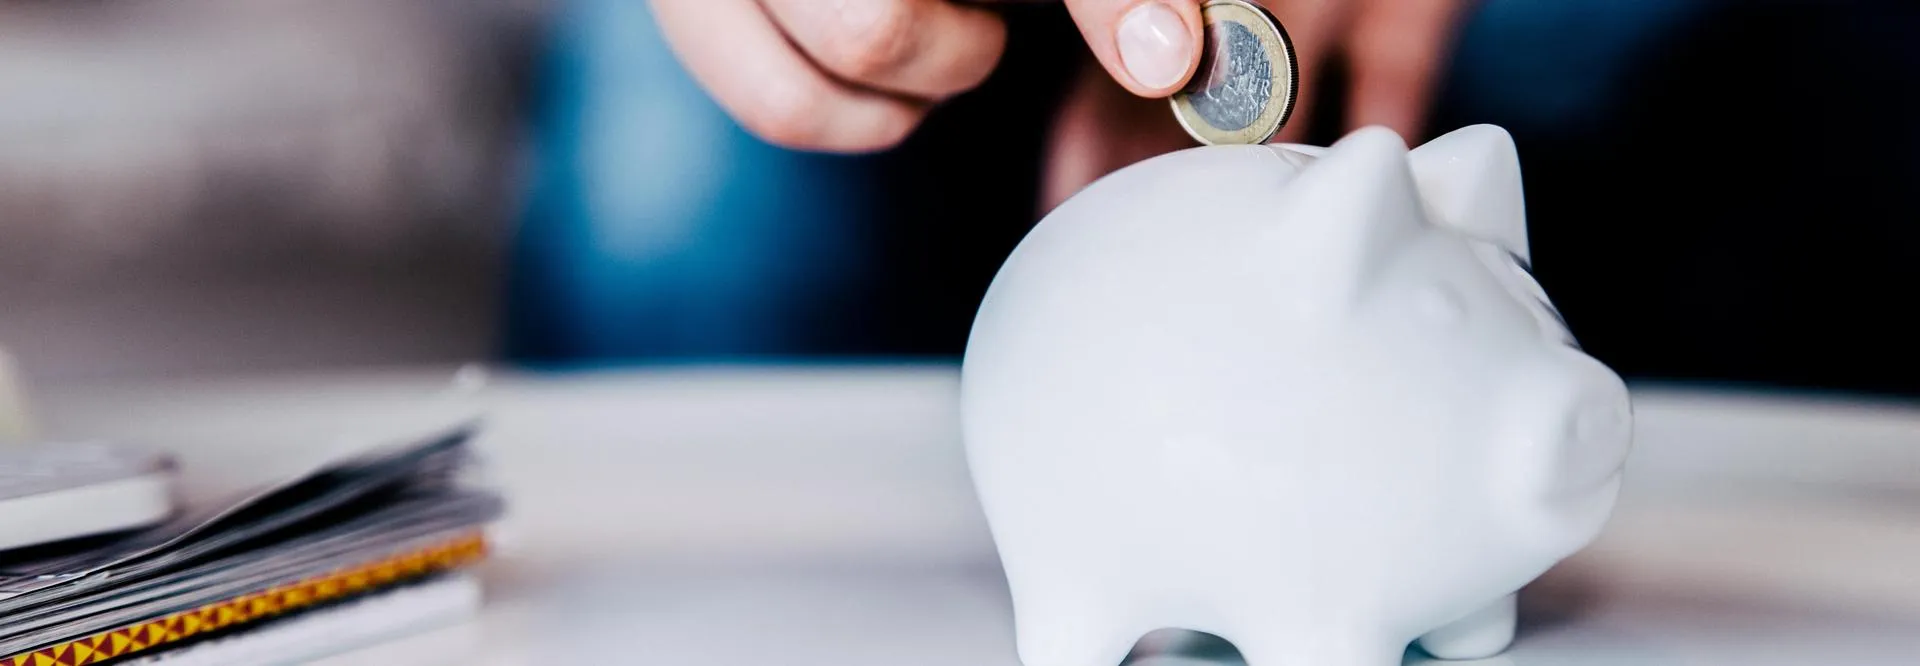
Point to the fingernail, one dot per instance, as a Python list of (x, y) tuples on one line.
[(1154, 44)]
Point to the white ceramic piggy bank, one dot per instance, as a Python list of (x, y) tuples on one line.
[(1305, 399)]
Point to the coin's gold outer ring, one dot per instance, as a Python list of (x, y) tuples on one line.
[(1274, 115)]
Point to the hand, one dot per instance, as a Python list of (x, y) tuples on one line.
[(1117, 115), (846, 76)]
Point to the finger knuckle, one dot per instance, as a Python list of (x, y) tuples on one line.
[(895, 131), (876, 38), (788, 115), (992, 47), (885, 132)]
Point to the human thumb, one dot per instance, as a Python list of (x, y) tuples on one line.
[(1150, 47)]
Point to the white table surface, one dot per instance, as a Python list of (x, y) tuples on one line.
[(822, 516)]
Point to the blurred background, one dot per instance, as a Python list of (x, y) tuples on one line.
[(1718, 191)]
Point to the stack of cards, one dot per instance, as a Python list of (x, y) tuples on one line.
[(353, 551)]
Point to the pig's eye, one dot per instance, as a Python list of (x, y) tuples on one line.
[(1514, 272), (1524, 275)]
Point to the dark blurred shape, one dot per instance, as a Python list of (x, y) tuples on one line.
[(237, 185), (1718, 191), (659, 230)]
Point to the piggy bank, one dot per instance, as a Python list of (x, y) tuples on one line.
[(1309, 400)]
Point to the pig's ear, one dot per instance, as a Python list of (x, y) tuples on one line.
[(1340, 219), (1470, 178)]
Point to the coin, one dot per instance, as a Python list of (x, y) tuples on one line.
[(1248, 78)]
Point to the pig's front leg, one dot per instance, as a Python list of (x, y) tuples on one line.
[(1482, 634), (1058, 625)]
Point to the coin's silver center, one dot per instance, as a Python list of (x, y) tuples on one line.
[(1240, 81)]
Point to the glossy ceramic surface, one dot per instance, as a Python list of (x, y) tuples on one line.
[(1325, 375)]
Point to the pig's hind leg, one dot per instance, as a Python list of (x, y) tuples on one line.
[(1481, 634)]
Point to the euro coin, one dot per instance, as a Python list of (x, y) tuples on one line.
[(1244, 90)]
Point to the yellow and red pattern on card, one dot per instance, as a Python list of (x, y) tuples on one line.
[(150, 635)]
